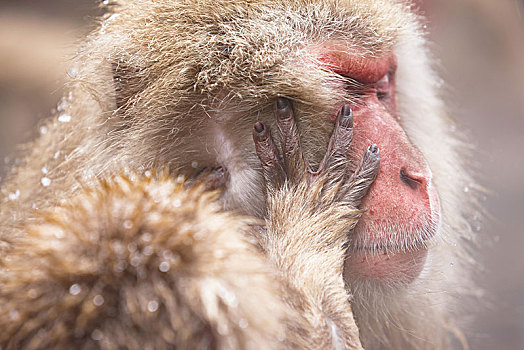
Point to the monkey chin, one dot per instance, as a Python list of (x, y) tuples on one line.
[(392, 264), (392, 268)]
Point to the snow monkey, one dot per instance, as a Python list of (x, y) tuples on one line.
[(240, 174)]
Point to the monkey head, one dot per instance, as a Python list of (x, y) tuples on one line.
[(181, 83), (190, 97)]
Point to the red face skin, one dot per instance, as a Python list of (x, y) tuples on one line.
[(402, 206)]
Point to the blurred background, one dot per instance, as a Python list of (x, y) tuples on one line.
[(480, 49)]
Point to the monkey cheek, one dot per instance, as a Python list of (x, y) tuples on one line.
[(391, 268)]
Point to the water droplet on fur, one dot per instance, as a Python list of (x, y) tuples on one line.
[(14, 196), (43, 130), (135, 260), (128, 224), (97, 335), (148, 250), (44, 170), (243, 323), (32, 293), (117, 246), (180, 179), (72, 72), (194, 164), (229, 297), (222, 329), (451, 264), (98, 300), (152, 306), (75, 289), (146, 237), (42, 333), (466, 189), (281, 335), (164, 266), (56, 155), (177, 203), (62, 105), (59, 234), (147, 173), (131, 247), (45, 181), (64, 118), (120, 266), (14, 315)]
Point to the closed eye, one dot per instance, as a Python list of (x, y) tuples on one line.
[(383, 87)]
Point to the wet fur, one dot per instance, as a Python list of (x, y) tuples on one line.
[(155, 78), (154, 263)]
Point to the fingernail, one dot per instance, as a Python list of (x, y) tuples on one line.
[(346, 111), (219, 170), (282, 103), (259, 128), (346, 116)]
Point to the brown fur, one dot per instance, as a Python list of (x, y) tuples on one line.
[(182, 82), (141, 264), (145, 263)]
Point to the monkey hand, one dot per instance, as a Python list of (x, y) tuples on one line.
[(314, 209), (310, 215)]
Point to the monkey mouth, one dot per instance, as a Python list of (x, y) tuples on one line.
[(393, 237), (389, 268), (383, 240), (391, 253)]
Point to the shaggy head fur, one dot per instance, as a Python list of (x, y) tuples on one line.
[(182, 82)]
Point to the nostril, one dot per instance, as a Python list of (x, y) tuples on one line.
[(411, 181)]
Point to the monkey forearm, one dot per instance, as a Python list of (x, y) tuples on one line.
[(310, 215)]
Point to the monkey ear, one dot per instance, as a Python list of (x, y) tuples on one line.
[(127, 82)]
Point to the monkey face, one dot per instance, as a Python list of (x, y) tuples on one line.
[(222, 88), (402, 210)]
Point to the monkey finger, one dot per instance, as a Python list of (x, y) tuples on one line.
[(357, 186), (333, 166), (294, 163), (267, 152)]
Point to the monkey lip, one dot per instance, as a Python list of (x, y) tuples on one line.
[(393, 257), (392, 264), (413, 237), (396, 268)]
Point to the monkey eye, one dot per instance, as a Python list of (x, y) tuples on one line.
[(382, 87)]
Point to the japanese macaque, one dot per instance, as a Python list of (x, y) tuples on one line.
[(273, 225)]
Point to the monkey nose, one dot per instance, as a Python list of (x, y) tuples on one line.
[(413, 180)]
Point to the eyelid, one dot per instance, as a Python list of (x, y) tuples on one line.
[(382, 85)]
